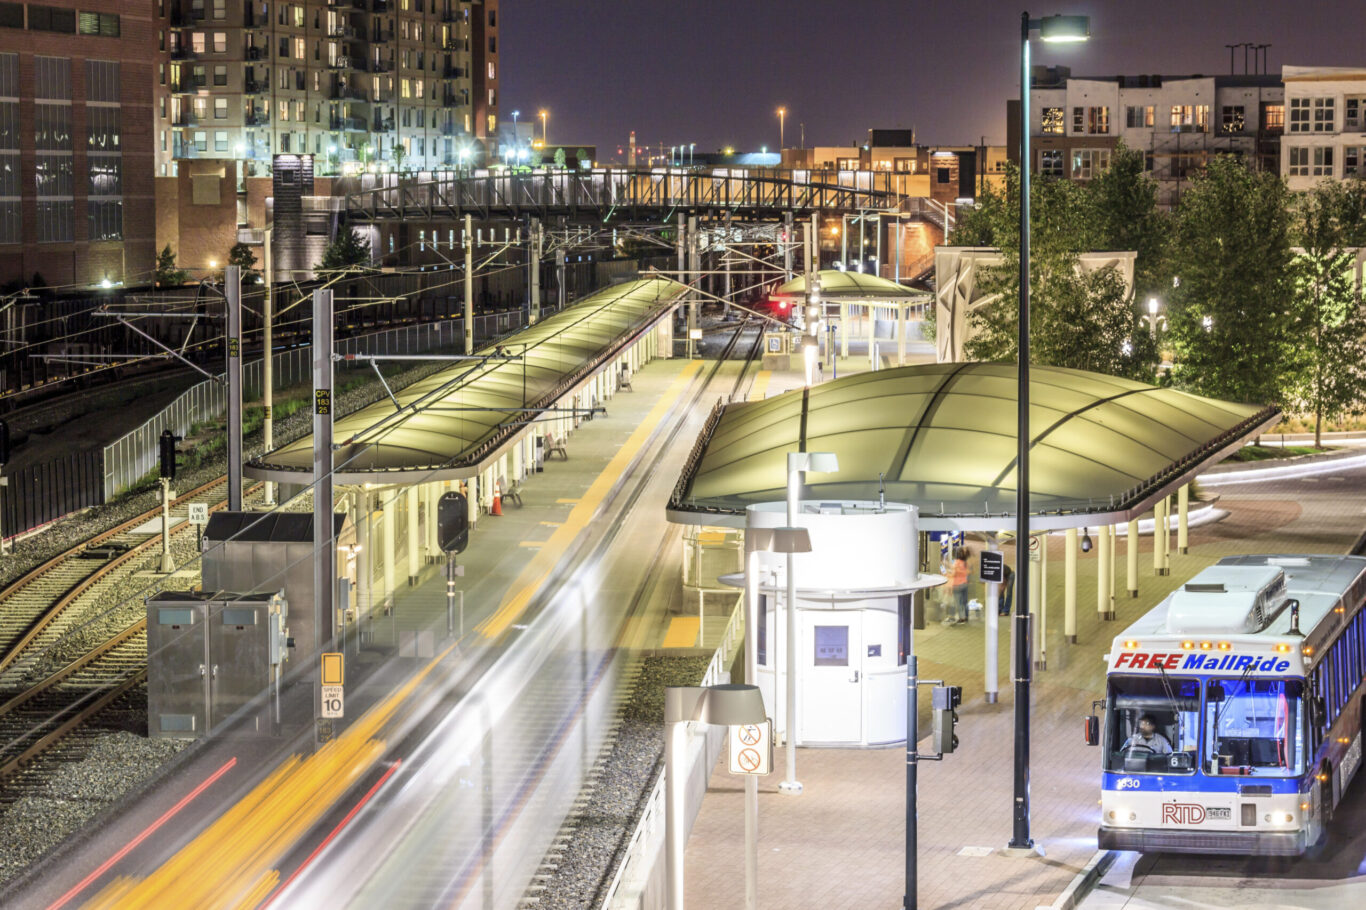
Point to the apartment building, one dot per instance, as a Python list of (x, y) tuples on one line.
[(1326, 134), (76, 194), (356, 83), (1178, 122)]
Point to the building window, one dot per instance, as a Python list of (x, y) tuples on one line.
[(200, 75), (1273, 118), (1299, 160), (1323, 162), (11, 16), (491, 70), (1353, 110), (104, 24), (1299, 115), (220, 75), (51, 19), (197, 42), (220, 108), (1098, 120), (103, 132), (1354, 161), (904, 165), (52, 127), (1051, 163), (220, 42), (220, 140), (1232, 120), (54, 220), (201, 140), (846, 164), (52, 78), (1078, 119), (1087, 163), (220, 9), (1138, 117), (1323, 115), (1052, 120)]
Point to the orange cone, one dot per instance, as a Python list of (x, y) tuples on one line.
[(497, 500)]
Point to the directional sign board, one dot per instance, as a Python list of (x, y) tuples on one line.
[(992, 566), (751, 748), (199, 513)]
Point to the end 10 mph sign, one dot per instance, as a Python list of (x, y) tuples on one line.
[(751, 748)]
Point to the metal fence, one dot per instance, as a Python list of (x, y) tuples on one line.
[(41, 493), (129, 458)]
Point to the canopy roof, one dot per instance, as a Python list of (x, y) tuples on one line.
[(453, 420), (853, 287), (944, 436)]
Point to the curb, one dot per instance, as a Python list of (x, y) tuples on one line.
[(1294, 461), (1085, 880)]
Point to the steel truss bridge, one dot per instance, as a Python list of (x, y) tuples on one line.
[(607, 195)]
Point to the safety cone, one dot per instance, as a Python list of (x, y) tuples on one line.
[(497, 500)]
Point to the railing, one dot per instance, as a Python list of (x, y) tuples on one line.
[(642, 851)]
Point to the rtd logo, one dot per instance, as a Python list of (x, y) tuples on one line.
[(1182, 814)]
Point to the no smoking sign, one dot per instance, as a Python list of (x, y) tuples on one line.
[(751, 748)]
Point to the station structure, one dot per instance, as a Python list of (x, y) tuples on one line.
[(481, 425)]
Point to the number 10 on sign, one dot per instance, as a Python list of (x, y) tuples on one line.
[(751, 748)]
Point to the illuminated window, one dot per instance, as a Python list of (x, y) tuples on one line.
[(220, 42), (1052, 120), (1273, 117), (1098, 120), (197, 42), (1232, 119)]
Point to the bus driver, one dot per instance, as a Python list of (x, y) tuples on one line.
[(1147, 738)]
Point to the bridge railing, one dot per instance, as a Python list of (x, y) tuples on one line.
[(444, 194)]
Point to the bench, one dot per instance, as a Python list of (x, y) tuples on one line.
[(553, 445), (513, 493)]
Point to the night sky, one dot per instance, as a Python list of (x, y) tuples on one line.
[(714, 71)]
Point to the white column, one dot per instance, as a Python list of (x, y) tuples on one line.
[(1069, 585), (414, 541), (900, 333), (1104, 573), (1131, 558), (1166, 535), (387, 507), (433, 548), (991, 684), (1035, 586), (872, 333), (366, 562), (1157, 537), (844, 329), (1183, 518)]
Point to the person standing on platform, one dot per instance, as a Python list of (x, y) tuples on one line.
[(1007, 590), (958, 581)]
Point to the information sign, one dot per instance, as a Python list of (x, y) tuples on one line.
[(751, 748)]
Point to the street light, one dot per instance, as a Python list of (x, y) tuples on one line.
[(798, 463), (545, 116), (1051, 29), (1153, 318), (724, 705), (782, 117)]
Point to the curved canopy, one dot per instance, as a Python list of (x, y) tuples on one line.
[(853, 287), (944, 436), (458, 416)]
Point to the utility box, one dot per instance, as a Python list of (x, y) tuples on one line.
[(264, 552), (209, 655)]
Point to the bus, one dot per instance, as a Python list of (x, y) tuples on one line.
[(1234, 709)]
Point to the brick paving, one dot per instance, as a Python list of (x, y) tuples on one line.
[(840, 844)]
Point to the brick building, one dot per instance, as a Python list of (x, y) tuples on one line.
[(76, 140)]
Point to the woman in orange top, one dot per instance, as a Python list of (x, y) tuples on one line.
[(958, 579)]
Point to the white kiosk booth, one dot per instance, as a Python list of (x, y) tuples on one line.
[(854, 624)]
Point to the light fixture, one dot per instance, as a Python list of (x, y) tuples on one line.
[(1152, 306), (1063, 29), (1085, 541)]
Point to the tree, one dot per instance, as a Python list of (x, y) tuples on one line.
[(347, 251), (166, 274), (400, 152), (1330, 325), (581, 156), (1229, 311), (1081, 320), (1124, 216), (560, 158), (241, 256)]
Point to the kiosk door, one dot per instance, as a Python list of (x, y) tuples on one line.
[(831, 708)]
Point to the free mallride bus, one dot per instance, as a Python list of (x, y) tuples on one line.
[(1251, 683)]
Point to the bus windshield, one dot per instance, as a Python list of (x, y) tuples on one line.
[(1254, 726), (1153, 725)]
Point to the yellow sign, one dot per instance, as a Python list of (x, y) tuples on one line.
[(232, 347), (322, 401), (333, 672)]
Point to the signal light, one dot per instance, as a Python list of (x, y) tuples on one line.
[(943, 699), (168, 453)]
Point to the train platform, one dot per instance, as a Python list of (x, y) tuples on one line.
[(841, 843)]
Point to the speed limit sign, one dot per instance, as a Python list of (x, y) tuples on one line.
[(332, 701)]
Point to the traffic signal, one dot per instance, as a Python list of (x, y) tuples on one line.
[(944, 699), (453, 522), (168, 441)]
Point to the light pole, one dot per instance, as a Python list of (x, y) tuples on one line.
[(1153, 317), (516, 136), (545, 117), (798, 463), (691, 147), (1060, 29), (782, 116)]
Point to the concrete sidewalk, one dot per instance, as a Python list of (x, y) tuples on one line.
[(841, 843)]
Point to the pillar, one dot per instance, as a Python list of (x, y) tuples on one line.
[(414, 541), (433, 547), (844, 329), (1104, 572), (1183, 496), (388, 504), (1069, 585), (1131, 558), (469, 285), (1166, 535), (472, 498), (872, 331), (535, 314), (900, 333), (365, 557), (1157, 536)]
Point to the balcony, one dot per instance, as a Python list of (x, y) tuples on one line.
[(381, 36), (186, 118), (254, 53), (258, 118), (450, 99), (384, 124), (453, 72), (450, 15), (345, 93), (253, 87), (448, 129), (347, 124), (381, 66), (186, 86), (183, 52)]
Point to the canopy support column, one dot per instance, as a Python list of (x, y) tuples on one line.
[(414, 541), (1104, 572), (1183, 496), (1069, 585), (1131, 558), (386, 530), (900, 333), (872, 336), (844, 329), (469, 285), (1157, 537), (1166, 535)]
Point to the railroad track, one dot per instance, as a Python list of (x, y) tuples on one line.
[(73, 604)]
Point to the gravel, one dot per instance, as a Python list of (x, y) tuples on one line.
[(631, 766), (75, 794)]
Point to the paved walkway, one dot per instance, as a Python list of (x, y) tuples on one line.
[(840, 844)]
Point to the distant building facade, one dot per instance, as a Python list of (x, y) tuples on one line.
[(1177, 122), (1325, 135), (76, 125)]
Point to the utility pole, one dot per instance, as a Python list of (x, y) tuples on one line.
[(268, 365), (535, 270), (324, 547), (232, 279), (469, 285)]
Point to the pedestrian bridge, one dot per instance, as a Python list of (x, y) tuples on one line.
[(606, 194)]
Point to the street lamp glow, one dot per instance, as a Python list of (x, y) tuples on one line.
[(782, 118), (1065, 29), (545, 116), (1152, 306)]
